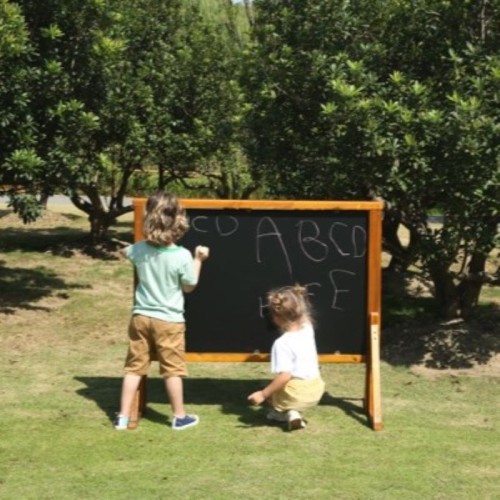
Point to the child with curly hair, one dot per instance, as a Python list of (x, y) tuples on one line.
[(165, 271)]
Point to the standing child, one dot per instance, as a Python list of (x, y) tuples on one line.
[(165, 271), (294, 359)]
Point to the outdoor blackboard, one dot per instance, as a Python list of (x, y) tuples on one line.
[(332, 248)]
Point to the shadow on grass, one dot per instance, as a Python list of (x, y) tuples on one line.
[(413, 333), (352, 407), (405, 298), (62, 241), (63, 235), (53, 240), (455, 344), (229, 394), (22, 288)]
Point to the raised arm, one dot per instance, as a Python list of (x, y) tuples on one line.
[(201, 254)]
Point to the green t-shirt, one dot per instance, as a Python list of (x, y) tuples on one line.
[(161, 272)]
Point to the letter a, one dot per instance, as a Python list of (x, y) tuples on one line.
[(274, 233)]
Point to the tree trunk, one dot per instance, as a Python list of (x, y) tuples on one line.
[(445, 291), (100, 222), (400, 254), (100, 219), (44, 199), (470, 287)]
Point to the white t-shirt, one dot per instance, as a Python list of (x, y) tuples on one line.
[(295, 352)]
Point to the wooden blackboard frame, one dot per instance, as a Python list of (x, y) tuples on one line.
[(374, 211)]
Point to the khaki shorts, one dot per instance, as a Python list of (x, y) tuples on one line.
[(150, 339), (298, 394)]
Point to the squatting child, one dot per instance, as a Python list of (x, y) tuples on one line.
[(297, 383)]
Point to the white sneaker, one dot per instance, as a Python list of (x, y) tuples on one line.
[(295, 420), (121, 423)]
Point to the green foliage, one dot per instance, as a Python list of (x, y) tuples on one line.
[(197, 131), (24, 166), (391, 99), (118, 86), (14, 38), (395, 100), (65, 95), (142, 183), (16, 128), (27, 206)]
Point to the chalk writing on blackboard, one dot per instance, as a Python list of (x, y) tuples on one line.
[(254, 251)]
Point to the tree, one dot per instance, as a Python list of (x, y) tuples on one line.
[(436, 117), (119, 86), (386, 99), (66, 92), (19, 163), (196, 128)]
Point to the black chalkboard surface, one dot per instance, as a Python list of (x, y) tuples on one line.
[(254, 251)]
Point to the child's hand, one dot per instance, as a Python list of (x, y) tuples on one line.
[(256, 398), (201, 253)]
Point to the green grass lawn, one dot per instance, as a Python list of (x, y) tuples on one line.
[(63, 320)]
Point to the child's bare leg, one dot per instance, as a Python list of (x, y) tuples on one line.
[(174, 387), (130, 385)]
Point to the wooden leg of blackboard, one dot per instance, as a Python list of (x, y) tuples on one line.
[(368, 384), (373, 376), (139, 404), (368, 399)]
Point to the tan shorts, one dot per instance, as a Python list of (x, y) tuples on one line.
[(150, 339), (298, 394)]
